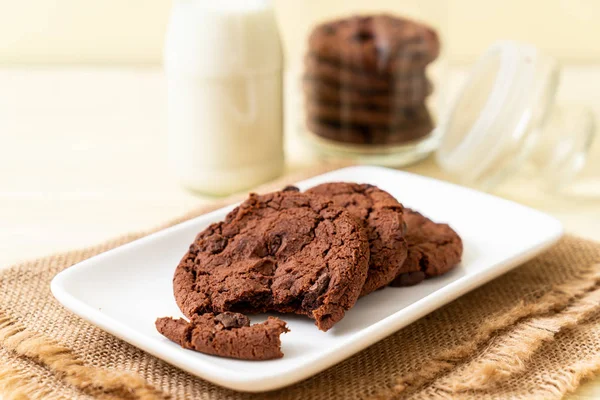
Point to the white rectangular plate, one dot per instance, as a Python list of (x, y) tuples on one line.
[(124, 290)]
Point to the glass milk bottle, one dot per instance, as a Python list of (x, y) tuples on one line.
[(223, 63)]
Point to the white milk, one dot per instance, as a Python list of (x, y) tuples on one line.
[(223, 62)]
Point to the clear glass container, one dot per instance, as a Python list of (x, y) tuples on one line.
[(505, 132), (365, 79)]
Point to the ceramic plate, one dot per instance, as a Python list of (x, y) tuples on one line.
[(124, 290)]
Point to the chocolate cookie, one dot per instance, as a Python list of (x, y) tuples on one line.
[(284, 251), (358, 115), (380, 43), (368, 134), (433, 249), (415, 82), (226, 335), (382, 218), (411, 93)]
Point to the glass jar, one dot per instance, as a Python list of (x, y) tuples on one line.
[(365, 78), (506, 134)]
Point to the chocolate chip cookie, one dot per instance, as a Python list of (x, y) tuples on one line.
[(382, 43), (372, 117), (408, 94), (382, 217), (369, 134), (284, 251), (433, 249), (226, 335), (414, 83)]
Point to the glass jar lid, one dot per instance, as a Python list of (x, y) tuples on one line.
[(501, 116)]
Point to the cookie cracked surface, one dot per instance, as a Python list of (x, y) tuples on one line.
[(285, 251), (382, 216)]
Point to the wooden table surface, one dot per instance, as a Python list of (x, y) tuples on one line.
[(82, 159)]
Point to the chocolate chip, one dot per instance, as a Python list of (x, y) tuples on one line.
[(215, 245), (265, 267), (362, 36), (311, 298), (231, 320), (290, 188), (409, 113), (274, 244), (409, 278)]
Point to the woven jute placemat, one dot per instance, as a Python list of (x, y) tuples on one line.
[(533, 333)]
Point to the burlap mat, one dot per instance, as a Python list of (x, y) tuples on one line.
[(533, 333)]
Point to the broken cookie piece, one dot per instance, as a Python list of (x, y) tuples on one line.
[(227, 335)]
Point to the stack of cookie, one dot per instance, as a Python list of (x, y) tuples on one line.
[(365, 80), (313, 253)]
